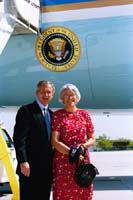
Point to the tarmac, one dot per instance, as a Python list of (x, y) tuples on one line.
[(115, 180)]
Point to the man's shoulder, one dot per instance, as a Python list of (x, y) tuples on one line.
[(28, 106)]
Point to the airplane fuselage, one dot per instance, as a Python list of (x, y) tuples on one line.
[(104, 70)]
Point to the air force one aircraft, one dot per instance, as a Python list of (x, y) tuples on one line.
[(87, 43)]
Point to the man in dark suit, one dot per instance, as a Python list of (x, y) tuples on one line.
[(33, 146)]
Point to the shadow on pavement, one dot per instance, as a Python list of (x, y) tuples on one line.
[(113, 183)]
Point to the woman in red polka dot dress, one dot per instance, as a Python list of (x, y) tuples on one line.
[(70, 126)]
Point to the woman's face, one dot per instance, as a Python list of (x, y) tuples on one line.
[(69, 97)]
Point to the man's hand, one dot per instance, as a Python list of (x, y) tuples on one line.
[(25, 168)]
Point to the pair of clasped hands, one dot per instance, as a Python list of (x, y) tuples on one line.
[(77, 154)]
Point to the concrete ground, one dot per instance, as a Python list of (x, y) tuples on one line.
[(115, 180)]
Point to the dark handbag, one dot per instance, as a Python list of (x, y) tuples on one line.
[(85, 174)]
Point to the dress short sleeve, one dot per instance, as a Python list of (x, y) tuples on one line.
[(56, 116), (89, 123)]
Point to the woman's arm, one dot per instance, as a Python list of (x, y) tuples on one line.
[(59, 146), (91, 140)]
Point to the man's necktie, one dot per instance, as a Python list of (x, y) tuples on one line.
[(47, 121)]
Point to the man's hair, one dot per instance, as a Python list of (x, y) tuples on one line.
[(45, 82)]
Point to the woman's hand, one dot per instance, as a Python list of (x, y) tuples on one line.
[(76, 154), (82, 150), (81, 159), (73, 154)]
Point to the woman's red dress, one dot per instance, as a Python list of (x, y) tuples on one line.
[(73, 128)]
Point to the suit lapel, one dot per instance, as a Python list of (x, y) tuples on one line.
[(39, 119)]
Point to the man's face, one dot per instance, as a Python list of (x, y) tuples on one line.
[(45, 93)]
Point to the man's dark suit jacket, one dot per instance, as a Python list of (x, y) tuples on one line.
[(31, 142)]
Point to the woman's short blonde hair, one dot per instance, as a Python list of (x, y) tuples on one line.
[(72, 87)]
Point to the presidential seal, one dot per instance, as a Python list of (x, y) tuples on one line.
[(58, 49)]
